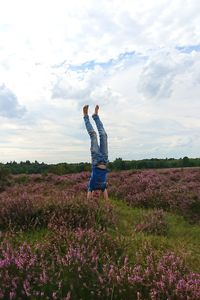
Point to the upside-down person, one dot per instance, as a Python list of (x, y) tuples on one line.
[(99, 155)]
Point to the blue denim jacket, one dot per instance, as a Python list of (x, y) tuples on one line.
[(98, 179)]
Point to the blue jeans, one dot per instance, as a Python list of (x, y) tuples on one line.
[(99, 153)]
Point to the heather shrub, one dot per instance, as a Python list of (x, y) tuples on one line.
[(22, 179), (171, 190), (154, 222), (35, 206), (20, 209), (192, 209), (78, 259), (89, 264), (81, 212), (70, 263), (170, 278)]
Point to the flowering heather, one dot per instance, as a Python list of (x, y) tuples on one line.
[(44, 203), (89, 264), (154, 222), (177, 190), (79, 259)]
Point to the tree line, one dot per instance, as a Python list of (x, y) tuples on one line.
[(118, 164)]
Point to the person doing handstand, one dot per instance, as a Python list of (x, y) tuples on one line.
[(99, 154)]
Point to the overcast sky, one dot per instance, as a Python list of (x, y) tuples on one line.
[(138, 59)]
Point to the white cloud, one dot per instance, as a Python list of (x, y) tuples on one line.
[(158, 75), (86, 86), (9, 106), (126, 56)]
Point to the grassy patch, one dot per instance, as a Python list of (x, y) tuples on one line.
[(127, 217), (182, 237), (29, 236)]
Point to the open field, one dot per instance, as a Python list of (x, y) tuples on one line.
[(144, 244)]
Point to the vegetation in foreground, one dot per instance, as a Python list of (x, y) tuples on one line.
[(55, 244)]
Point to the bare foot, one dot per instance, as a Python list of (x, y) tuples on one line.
[(96, 110), (85, 110)]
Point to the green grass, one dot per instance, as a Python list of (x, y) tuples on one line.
[(30, 236), (182, 237)]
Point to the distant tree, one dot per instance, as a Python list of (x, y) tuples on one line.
[(186, 161), (118, 164)]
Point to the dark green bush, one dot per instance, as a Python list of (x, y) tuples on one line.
[(4, 177)]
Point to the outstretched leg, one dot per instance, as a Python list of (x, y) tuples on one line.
[(102, 135), (95, 150)]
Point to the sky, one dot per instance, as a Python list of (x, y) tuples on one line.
[(138, 60)]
